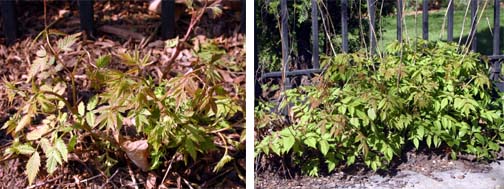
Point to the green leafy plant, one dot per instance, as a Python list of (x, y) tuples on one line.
[(366, 109), (179, 116)]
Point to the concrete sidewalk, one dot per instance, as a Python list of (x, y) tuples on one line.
[(459, 178)]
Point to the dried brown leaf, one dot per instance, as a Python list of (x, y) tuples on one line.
[(137, 152)]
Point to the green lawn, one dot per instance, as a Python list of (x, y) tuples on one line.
[(484, 36)]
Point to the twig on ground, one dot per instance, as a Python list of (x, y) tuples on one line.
[(44, 183), (168, 169), (132, 176), (188, 184), (90, 178), (110, 178)]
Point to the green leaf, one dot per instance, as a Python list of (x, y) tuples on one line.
[(350, 160), (44, 143), (453, 155), (288, 142), (389, 153), (171, 43), (53, 159), (436, 141), (60, 145), (444, 103), (493, 146), (420, 131), (91, 105), (25, 149), (225, 159), (354, 121), (190, 148), (72, 143), (429, 141), (371, 113), (32, 167), (275, 147), (81, 108), (416, 142), (374, 165), (90, 119), (103, 61), (65, 43), (324, 147), (311, 142)]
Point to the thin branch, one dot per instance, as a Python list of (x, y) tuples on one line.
[(44, 183), (133, 179), (168, 169), (194, 20)]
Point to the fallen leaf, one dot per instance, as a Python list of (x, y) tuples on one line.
[(137, 152)]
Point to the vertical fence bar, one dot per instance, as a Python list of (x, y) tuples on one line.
[(8, 13), (496, 65), (344, 24), (496, 29), (450, 20), (425, 20), (257, 87), (168, 19), (472, 34), (284, 17), (242, 17), (86, 17), (399, 20), (372, 32), (315, 34)]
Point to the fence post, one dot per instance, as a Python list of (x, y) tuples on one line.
[(167, 19), (450, 21), (284, 17), (372, 32), (496, 29), (315, 34), (8, 11), (86, 17), (344, 24), (472, 34), (399, 20), (425, 20)]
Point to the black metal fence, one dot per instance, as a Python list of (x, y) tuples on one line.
[(495, 57), (8, 13)]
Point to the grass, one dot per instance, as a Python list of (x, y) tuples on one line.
[(484, 36)]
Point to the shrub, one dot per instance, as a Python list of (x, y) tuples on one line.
[(371, 109)]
